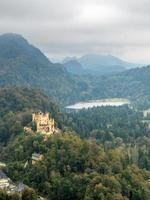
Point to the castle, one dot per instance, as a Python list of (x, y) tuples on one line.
[(44, 124)]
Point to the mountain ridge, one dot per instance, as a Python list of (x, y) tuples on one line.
[(97, 64), (22, 64)]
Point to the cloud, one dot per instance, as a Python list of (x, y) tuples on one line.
[(67, 27)]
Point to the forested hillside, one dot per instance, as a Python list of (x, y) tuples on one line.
[(110, 162), (108, 123), (23, 64), (74, 100), (79, 169), (16, 107), (132, 84)]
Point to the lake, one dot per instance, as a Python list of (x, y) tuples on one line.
[(98, 103)]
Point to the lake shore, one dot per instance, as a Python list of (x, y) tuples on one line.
[(99, 103)]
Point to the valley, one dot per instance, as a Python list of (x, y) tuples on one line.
[(100, 152), (27, 66), (74, 100)]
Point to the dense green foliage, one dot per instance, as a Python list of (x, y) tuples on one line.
[(132, 84), (108, 123), (75, 169), (114, 164), (28, 194), (5, 196), (16, 107), (110, 162)]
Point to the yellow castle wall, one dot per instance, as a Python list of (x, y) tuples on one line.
[(44, 123)]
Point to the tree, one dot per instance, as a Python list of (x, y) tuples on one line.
[(3, 195), (15, 196), (29, 194), (17, 128)]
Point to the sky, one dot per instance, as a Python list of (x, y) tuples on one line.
[(63, 28)]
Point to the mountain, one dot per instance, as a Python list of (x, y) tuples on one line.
[(74, 67), (132, 84), (69, 58), (110, 162), (23, 64), (96, 61), (100, 64), (21, 61)]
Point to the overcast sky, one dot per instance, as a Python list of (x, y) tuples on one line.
[(75, 27)]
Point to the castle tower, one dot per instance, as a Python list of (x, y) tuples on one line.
[(44, 123)]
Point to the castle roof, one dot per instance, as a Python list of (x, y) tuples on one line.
[(3, 175)]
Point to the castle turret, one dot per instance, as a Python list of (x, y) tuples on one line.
[(44, 123)]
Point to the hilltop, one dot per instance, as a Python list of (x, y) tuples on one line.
[(17, 105)]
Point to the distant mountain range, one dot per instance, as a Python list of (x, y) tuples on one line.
[(96, 64), (21, 64), (74, 67)]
